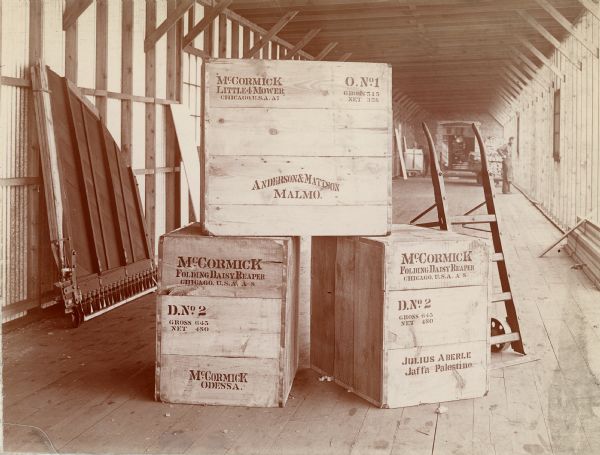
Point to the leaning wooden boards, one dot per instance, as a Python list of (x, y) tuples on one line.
[(297, 148), (403, 319), (226, 319)]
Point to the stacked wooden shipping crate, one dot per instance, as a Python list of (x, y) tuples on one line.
[(291, 148), (402, 320), (297, 148)]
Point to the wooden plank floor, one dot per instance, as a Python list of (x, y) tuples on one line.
[(91, 389)]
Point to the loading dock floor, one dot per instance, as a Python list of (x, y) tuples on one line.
[(91, 389)]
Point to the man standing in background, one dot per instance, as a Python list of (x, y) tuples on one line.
[(505, 152)]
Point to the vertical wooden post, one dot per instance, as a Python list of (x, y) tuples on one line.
[(35, 264), (191, 19), (172, 158), (222, 36), (207, 47), (246, 44), (150, 146), (71, 49), (101, 54), (235, 39), (127, 80)]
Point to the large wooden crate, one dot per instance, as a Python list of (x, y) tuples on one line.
[(226, 319), (297, 148), (403, 319)]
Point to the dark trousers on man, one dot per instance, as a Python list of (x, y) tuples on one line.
[(506, 175)]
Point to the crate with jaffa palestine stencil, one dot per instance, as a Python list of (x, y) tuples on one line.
[(226, 319), (297, 148), (403, 319)]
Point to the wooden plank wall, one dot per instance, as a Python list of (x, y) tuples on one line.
[(408, 122), (571, 187), (103, 53), (25, 279)]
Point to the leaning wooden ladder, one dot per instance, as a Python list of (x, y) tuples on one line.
[(500, 339)]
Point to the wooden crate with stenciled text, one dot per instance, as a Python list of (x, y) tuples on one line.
[(297, 148), (402, 319), (226, 319)]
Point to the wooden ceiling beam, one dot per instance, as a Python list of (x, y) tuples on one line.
[(495, 117), (243, 21), (401, 98), (407, 105), (154, 35), (549, 36), (434, 82), (414, 23), (592, 7), (302, 43), (410, 115), (462, 94), (456, 102), (568, 26), (506, 88), (480, 104), (460, 97), (341, 12), (424, 97), (522, 81), (523, 87), (391, 31), (326, 50), (443, 65), (399, 45), (406, 20), (505, 98), (409, 110), (72, 12), (533, 74), (264, 40), (453, 105), (210, 14), (504, 108), (516, 88), (521, 56), (421, 91), (436, 57), (501, 104), (541, 57), (457, 76), (449, 91), (522, 75), (406, 109), (335, 4)]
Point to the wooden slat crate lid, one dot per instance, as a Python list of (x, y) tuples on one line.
[(228, 381), (431, 374), (350, 133), (192, 264), (421, 258), (220, 326), (297, 84), (425, 317), (313, 181), (401, 233)]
